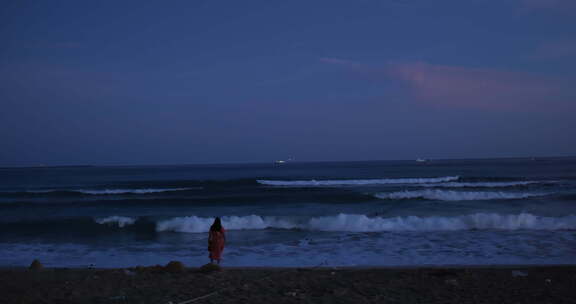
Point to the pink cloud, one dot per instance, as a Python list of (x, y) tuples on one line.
[(482, 88)]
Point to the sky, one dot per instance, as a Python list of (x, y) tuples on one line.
[(210, 81)]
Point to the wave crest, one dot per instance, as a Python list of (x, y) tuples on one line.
[(202, 224), (352, 182), (480, 184), (449, 195), (363, 223), (479, 221)]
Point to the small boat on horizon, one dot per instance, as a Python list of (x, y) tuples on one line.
[(421, 160), (282, 161)]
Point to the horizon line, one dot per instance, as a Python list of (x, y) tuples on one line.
[(272, 162)]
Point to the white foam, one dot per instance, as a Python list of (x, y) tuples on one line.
[(120, 221), (352, 182), (363, 223), (449, 195), (202, 224), (479, 184), (480, 221)]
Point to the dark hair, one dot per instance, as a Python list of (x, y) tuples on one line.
[(217, 225)]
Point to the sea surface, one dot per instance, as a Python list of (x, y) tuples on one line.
[(378, 213)]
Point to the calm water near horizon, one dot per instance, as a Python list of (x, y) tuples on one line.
[(376, 213)]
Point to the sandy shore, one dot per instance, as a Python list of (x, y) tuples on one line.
[(508, 284)]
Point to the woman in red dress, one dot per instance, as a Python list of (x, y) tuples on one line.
[(216, 241)]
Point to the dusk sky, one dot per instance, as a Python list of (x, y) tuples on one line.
[(170, 82)]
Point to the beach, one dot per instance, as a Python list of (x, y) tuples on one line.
[(158, 284), (451, 231)]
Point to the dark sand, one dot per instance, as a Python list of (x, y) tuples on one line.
[(520, 284)]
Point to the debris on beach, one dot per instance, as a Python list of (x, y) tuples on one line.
[(174, 267), (36, 265)]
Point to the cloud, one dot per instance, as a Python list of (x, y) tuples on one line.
[(475, 87), (470, 87)]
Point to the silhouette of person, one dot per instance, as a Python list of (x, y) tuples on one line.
[(216, 241)]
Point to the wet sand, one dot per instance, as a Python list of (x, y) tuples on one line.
[(509, 284)]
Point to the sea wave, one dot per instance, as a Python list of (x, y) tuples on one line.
[(352, 182), (480, 184), (364, 223), (202, 224), (115, 220), (449, 195)]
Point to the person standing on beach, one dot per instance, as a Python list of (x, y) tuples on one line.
[(216, 241)]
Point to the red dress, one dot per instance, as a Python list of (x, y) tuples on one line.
[(216, 240)]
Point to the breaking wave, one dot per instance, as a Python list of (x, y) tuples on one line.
[(351, 182), (363, 223), (116, 220), (449, 195), (480, 184), (202, 224)]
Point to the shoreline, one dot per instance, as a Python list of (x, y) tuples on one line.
[(360, 267), (419, 284)]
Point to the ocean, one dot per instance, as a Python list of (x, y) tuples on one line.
[(372, 213)]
